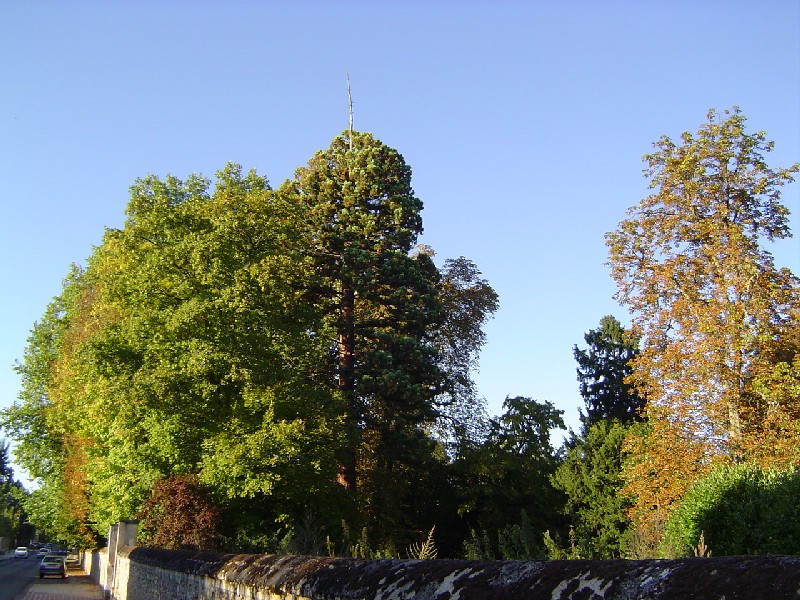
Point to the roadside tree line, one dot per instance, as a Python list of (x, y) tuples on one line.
[(286, 369)]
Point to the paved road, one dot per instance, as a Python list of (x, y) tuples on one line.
[(78, 586), (19, 580), (15, 575)]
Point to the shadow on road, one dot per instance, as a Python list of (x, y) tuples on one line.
[(77, 586)]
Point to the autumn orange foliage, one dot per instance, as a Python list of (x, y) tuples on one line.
[(713, 312)]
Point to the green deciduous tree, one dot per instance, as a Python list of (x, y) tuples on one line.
[(468, 302), (46, 423), (27, 421), (181, 347), (216, 349), (265, 341)]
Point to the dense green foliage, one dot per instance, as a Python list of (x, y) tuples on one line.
[(289, 349), (740, 509), (591, 478), (13, 519), (602, 370), (506, 496), (261, 369)]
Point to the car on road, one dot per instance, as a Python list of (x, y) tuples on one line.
[(73, 560), (52, 565), (43, 552), (21, 552)]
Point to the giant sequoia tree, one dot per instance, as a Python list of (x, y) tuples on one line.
[(363, 221), (705, 296), (381, 301)]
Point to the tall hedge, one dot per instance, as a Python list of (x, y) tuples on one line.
[(741, 509)]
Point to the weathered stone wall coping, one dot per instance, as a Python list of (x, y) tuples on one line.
[(323, 578)]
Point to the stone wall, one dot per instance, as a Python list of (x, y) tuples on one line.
[(153, 574), (96, 565)]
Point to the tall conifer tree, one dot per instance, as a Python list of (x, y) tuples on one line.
[(364, 220)]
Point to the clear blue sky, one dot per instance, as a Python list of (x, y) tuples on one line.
[(524, 123)]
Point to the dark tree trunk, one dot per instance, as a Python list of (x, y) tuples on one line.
[(347, 352)]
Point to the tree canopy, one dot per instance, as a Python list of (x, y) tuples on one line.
[(13, 518), (711, 308), (590, 476), (263, 343), (262, 369), (603, 368)]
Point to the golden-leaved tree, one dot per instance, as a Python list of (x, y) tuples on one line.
[(710, 306)]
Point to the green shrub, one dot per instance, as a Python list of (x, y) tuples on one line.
[(478, 546), (739, 509), (520, 541)]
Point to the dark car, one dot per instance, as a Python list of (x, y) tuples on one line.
[(52, 565)]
